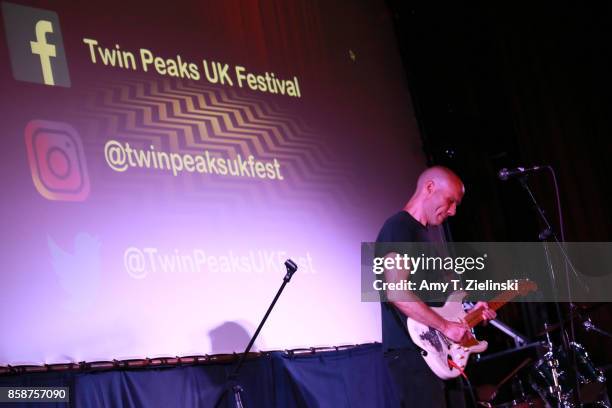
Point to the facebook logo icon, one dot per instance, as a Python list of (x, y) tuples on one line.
[(35, 44)]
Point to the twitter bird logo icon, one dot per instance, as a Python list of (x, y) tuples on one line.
[(78, 271)]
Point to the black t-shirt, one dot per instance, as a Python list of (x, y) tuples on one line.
[(401, 227)]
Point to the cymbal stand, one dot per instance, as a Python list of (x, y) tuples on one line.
[(553, 363), (589, 326)]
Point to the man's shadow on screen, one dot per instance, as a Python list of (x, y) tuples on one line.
[(229, 337)]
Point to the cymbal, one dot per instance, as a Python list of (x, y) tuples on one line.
[(575, 314), (552, 328)]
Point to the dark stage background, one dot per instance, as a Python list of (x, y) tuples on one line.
[(504, 85)]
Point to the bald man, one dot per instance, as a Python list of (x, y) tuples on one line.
[(438, 193)]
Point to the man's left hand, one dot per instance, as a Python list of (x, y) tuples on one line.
[(487, 312)]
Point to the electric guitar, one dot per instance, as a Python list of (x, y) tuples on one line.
[(446, 358)]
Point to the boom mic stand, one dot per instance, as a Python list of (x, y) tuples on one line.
[(550, 232), (232, 384), (544, 235)]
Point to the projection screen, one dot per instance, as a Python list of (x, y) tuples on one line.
[(160, 163)]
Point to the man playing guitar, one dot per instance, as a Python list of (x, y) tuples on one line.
[(438, 193)]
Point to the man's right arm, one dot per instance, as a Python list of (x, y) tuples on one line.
[(412, 306)]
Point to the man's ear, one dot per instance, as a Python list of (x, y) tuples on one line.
[(430, 186)]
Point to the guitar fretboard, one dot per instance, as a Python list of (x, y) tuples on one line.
[(475, 316)]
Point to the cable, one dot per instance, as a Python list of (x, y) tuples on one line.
[(572, 335), (469, 386), (561, 226)]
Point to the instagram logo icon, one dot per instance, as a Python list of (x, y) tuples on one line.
[(57, 162)]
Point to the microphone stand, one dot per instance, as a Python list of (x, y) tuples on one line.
[(519, 339), (549, 232), (232, 384), (544, 235)]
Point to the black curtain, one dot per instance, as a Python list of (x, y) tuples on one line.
[(507, 84)]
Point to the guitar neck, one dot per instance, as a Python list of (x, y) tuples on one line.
[(475, 316)]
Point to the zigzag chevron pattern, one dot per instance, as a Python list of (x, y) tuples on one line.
[(188, 117)]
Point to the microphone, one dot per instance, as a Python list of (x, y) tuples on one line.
[(504, 174), (291, 268)]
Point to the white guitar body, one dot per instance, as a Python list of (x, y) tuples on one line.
[(437, 348)]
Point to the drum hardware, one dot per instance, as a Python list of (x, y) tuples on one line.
[(560, 379), (553, 363), (576, 314), (561, 383), (589, 326), (487, 393)]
